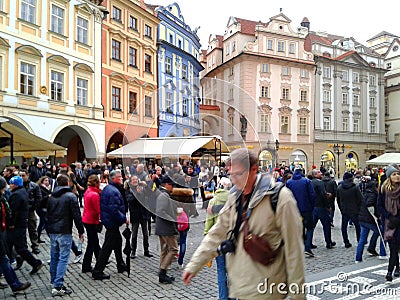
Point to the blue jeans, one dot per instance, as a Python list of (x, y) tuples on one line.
[(222, 279), (182, 246), (322, 213), (308, 229), (365, 228), (9, 273), (60, 247)]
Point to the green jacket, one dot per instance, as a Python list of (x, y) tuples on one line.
[(220, 197)]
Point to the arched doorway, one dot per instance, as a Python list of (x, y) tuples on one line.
[(265, 160), (328, 159), (79, 142), (351, 161), (298, 157), (116, 141)]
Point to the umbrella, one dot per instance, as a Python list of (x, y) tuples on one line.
[(371, 211), (127, 250)]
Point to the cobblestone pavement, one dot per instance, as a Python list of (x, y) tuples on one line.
[(143, 282)]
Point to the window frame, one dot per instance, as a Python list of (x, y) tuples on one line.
[(55, 84), (132, 57), (147, 106), (356, 103), (27, 76), (147, 63), (292, 48), (270, 45), (264, 91), (82, 92), (285, 71), (372, 126), (115, 98), (303, 126), (372, 102), (116, 14), (133, 20), (345, 124), (345, 98), (304, 73), (345, 75), (356, 121), (57, 21), (264, 123), (132, 102), (303, 96), (264, 68), (356, 77), (326, 96), (281, 46), (327, 72), (28, 10), (168, 101), (82, 32), (285, 123), (285, 94), (184, 71), (326, 121), (168, 65), (148, 31), (116, 50)]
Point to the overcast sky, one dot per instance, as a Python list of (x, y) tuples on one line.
[(359, 19)]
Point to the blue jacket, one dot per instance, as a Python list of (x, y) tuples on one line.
[(303, 191), (112, 207)]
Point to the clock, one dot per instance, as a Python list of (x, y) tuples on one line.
[(43, 89), (395, 48)]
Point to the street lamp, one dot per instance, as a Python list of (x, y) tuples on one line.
[(338, 150), (276, 151)]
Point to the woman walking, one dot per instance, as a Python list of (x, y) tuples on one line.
[(46, 188), (90, 219)]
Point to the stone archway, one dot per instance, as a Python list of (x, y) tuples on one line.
[(116, 141), (352, 161)]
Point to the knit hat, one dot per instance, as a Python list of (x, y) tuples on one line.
[(347, 176), (166, 179), (3, 183), (390, 170), (17, 180)]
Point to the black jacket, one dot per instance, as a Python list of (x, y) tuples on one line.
[(321, 198), (62, 211), (19, 208), (34, 194), (349, 198), (369, 200), (137, 211)]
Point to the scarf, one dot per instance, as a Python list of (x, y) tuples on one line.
[(392, 201)]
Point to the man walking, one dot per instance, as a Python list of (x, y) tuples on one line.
[(249, 201), (62, 211), (112, 215), (304, 194)]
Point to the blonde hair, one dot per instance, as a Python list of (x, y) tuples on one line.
[(388, 185), (93, 180)]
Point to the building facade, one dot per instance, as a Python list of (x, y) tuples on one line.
[(50, 72), (129, 72), (263, 81), (179, 66), (349, 102)]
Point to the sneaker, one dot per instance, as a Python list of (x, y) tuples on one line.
[(331, 245), (313, 246), (383, 257), (389, 277), (61, 291), (180, 266), (373, 252), (348, 245), (78, 258), (309, 253), (357, 262)]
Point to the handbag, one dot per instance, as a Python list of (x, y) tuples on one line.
[(257, 247), (99, 227)]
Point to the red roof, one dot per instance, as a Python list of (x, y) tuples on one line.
[(247, 26), (345, 54)]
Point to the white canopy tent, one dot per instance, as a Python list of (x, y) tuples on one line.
[(171, 147), (385, 159)]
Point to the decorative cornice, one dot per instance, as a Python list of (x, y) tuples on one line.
[(265, 108), (373, 115), (327, 110), (285, 110), (346, 112), (345, 88), (356, 113), (303, 111)]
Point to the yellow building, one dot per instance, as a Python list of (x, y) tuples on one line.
[(50, 72)]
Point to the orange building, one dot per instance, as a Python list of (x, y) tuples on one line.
[(129, 72)]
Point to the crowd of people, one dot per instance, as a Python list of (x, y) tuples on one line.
[(241, 199)]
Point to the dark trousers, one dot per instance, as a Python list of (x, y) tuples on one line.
[(92, 247), (112, 241), (308, 229), (345, 220), (322, 213), (394, 247), (145, 233), (17, 238), (42, 221), (32, 229)]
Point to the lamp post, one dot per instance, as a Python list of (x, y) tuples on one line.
[(276, 151), (338, 150)]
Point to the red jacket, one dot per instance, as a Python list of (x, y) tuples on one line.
[(91, 209)]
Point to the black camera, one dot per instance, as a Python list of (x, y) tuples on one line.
[(227, 246)]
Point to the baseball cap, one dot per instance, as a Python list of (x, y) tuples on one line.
[(17, 180)]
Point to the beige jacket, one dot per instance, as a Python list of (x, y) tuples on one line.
[(249, 279)]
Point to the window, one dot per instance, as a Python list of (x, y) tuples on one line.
[(1, 5), (147, 106), (372, 102), (281, 46), (269, 45), (57, 19), (345, 98), (304, 73), (372, 126), (345, 75), (303, 96), (284, 124), (345, 124), (264, 123), (285, 71), (116, 14), (327, 72), (264, 91), (184, 71), (82, 30), (147, 63), (116, 50), (115, 98), (285, 94), (327, 123), (372, 80), (231, 71), (227, 49), (185, 107), (147, 31), (168, 102), (82, 91), (388, 66), (180, 44), (28, 10), (356, 125), (265, 68), (230, 124), (386, 107), (327, 96), (56, 86), (356, 100), (291, 48), (356, 78), (27, 79), (231, 93), (233, 46), (171, 39), (132, 23), (132, 57), (132, 102), (303, 125), (168, 65)]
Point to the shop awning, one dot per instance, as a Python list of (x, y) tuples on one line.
[(29, 145), (171, 147), (385, 159)]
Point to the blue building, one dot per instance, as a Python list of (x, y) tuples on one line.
[(178, 74)]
